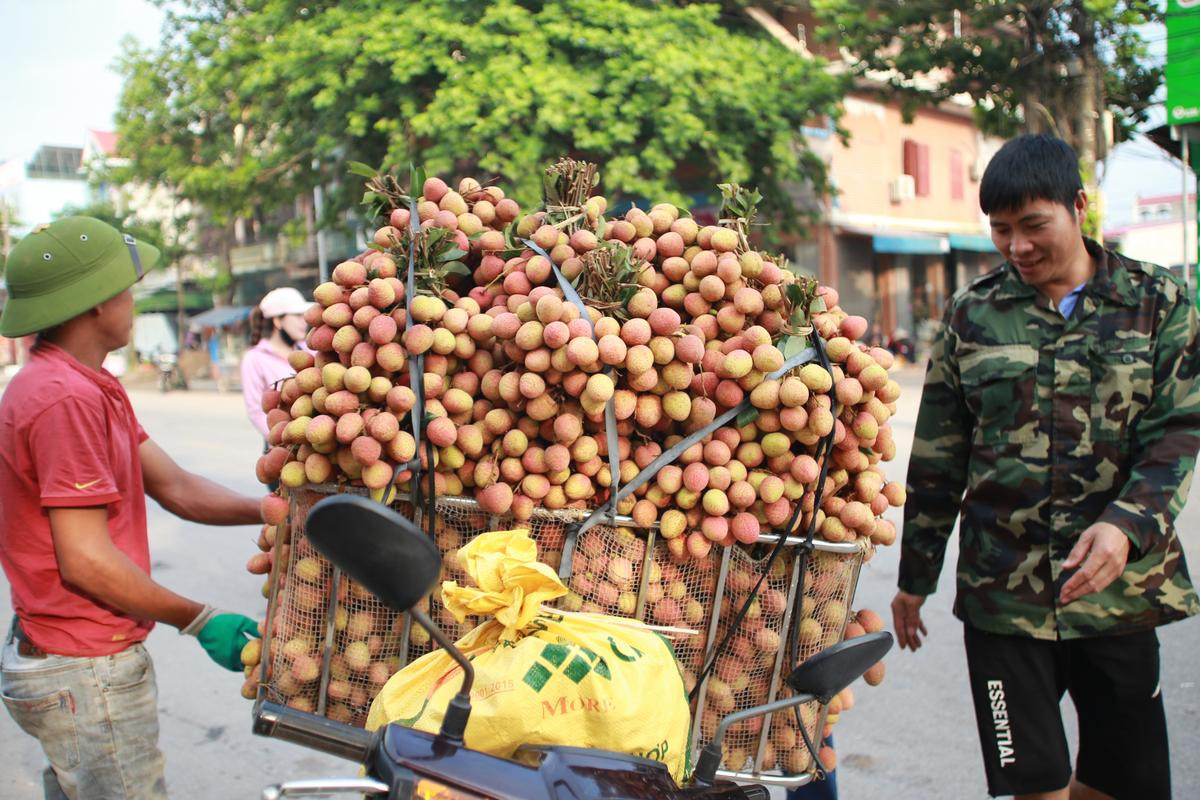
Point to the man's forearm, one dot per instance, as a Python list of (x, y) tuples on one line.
[(923, 542), (1166, 438), (198, 499), (937, 477), (1155, 493), (108, 575)]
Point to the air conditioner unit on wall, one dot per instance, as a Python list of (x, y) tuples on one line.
[(902, 187), (976, 170)]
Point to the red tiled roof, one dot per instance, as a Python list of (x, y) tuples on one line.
[(1135, 226), (106, 141), (1165, 198)]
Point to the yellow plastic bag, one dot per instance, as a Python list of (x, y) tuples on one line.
[(585, 680)]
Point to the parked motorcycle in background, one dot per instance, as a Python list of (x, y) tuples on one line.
[(170, 376)]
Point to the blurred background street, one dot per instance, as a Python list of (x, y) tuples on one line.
[(911, 738)]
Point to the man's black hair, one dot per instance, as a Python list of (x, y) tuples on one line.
[(1033, 166)]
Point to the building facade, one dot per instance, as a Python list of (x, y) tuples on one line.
[(904, 229), (901, 229), (1162, 233)]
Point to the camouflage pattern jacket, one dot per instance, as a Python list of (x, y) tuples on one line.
[(1049, 425)]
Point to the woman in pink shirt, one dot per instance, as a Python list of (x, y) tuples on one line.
[(279, 319)]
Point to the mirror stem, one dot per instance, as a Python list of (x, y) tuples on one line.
[(454, 723)]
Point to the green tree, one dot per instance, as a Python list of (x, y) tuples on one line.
[(1058, 66), (242, 97)]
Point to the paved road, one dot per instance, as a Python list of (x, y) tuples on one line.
[(911, 738)]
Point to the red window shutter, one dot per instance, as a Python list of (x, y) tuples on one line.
[(922, 176), (910, 157), (956, 175)]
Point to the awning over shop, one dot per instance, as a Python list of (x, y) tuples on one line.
[(219, 317), (914, 244), (167, 299), (975, 242)]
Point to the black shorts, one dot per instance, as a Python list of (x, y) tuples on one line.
[(1018, 682)]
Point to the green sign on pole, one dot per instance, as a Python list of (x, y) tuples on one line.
[(1183, 62)]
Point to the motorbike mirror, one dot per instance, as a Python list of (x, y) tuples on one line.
[(384, 551), (839, 665), (819, 678), (390, 556)]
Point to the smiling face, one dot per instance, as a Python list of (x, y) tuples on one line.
[(1043, 240)]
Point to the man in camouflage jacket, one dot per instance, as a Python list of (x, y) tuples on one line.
[(1059, 425)]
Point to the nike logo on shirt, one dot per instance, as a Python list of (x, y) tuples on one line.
[(82, 486)]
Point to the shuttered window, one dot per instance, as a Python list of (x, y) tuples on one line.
[(956, 175), (916, 164)]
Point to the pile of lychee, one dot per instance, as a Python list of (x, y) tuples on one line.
[(516, 379)]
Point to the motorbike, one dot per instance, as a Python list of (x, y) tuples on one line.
[(391, 557), (170, 376)]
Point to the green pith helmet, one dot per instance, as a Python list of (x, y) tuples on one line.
[(61, 270)]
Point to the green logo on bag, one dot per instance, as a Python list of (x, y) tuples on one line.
[(578, 661), (612, 643)]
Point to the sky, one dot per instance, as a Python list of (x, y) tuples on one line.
[(57, 57), (56, 60)]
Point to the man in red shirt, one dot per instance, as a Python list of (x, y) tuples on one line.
[(75, 467)]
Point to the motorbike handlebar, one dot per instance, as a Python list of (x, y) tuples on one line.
[(309, 730)]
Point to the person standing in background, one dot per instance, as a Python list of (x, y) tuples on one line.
[(279, 324), (214, 358)]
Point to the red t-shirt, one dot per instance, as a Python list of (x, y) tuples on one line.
[(68, 438)]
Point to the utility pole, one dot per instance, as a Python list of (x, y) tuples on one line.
[(180, 295), (1187, 212), (318, 211)]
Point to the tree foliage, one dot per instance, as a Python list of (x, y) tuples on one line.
[(240, 97), (1039, 65), (126, 221)]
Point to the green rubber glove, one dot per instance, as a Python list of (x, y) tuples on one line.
[(222, 634)]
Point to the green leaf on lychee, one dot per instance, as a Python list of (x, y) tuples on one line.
[(416, 180), (792, 345), (359, 168), (747, 416), (795, 294)]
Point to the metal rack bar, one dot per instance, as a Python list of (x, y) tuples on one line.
[(272, 607), (793, 601), (718, 596), (644, 583), (330, 630)]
